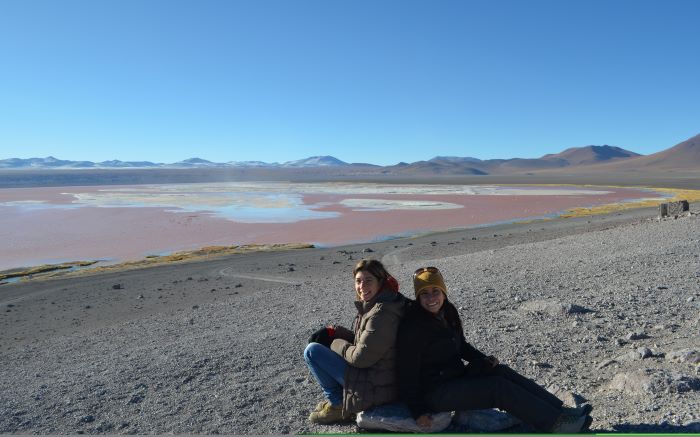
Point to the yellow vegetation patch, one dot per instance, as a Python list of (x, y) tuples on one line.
[(44, 269), (675, 193), (204, 253)]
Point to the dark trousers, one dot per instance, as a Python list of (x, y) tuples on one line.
[(499, 387)]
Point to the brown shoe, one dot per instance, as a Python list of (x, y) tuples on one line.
[(321, 405), (328, 414)]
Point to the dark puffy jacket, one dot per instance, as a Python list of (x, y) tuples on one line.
[(431, 350), (371, 377)]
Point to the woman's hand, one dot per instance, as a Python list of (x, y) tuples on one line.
[(493, 361), (424, 421), (323, 336)]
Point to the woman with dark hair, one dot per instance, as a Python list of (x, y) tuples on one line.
[(356, 368), (433, 376)]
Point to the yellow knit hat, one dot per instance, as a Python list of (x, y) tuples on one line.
[(426, 277)]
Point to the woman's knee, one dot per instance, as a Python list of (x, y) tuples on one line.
[(314, 350), (309, 351)]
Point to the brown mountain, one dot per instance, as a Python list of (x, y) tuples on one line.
[(590, 155), (685, 155), (572, 157), (682, 157)]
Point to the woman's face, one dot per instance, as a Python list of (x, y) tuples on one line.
[(431, 299), (366, 285)]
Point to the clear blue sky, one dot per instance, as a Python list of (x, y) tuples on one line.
[(365, 81)]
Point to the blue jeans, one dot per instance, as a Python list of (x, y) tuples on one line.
[(329, 370)]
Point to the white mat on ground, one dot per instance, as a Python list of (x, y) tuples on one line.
[(485, 420), (397, 418)]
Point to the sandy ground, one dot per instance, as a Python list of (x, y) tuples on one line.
[(215, 346)]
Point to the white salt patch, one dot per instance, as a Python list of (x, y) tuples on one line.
[(389, 205)]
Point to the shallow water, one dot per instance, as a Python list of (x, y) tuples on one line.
[(48, 225)]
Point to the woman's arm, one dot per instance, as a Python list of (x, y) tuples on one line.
[(470, 353), (374, 340), (344, 333)]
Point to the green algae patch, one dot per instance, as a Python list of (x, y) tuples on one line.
[(674, 194)]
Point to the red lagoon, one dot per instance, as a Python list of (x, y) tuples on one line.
[(52, 225)]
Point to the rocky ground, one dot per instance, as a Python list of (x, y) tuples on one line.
[(605, 307)]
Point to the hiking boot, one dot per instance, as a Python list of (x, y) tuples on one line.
[(328, 414), (581, 410), (568, 424), (321, 405), (587, 424)]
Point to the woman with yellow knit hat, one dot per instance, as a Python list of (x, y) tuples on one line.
[(433, 376)]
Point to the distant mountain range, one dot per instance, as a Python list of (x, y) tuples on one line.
[(51, 162), (684, 156)]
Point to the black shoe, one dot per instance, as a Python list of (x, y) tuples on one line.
[(569, 424), (587, 424)]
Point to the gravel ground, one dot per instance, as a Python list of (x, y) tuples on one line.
[(607, 307)]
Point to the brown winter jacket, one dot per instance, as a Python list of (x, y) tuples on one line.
[(371, 377)]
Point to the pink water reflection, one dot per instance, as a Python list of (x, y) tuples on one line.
[(34, 234)]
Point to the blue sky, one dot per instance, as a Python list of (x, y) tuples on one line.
[(365, 81)]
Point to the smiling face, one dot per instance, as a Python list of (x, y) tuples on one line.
[(366, 285), (431, 299)]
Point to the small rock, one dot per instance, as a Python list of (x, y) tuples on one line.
[(685, 356), (552, 307), (644, 352), (140, 296), (117, 286), (194, 307), (637, 335), (628, 356), (238, 285), (87, 419), (136, 398), (605, 363), (367, 250), (569, 398), (104, 427), (649, 381)]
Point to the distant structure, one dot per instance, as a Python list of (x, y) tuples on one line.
[(673, 209)]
